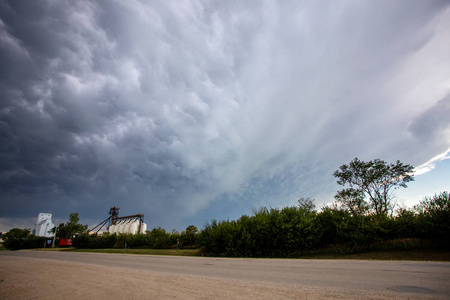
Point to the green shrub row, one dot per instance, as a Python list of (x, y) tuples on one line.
[(296, 231), (157, 238), (16, 239)]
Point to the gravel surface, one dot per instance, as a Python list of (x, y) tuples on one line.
[(39, 278)]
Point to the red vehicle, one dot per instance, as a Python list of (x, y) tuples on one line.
[(65, 242)]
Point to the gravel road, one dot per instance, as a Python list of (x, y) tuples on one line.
[(39, 274)]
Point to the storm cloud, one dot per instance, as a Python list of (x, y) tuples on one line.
[(192, 110)]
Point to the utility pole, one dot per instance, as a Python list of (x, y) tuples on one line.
[(54, 236)]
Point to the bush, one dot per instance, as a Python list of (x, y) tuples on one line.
[(434, 219), (17, 238)]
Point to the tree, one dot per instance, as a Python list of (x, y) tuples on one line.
[(434, 218), (159, 238), (374, 179), (13, 239), (352, 200), (434, 205), (306, 204), (71, 228), (189, 237)]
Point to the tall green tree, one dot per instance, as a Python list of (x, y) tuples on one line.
[(71, 228), (375, 180), (189, 236)]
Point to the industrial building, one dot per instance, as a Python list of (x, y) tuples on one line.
[(44, 225), (129, 224)]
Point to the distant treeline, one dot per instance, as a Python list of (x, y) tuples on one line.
[(157, 238), (300, 230)]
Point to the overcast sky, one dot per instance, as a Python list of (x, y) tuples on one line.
[(188, 111)]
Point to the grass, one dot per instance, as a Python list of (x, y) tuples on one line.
[(170, 252), (411, 255)]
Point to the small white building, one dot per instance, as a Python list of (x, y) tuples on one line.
[(44, 225)]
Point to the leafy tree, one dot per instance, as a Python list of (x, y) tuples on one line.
[(71, 228), (191, 229), (306, 204), (189, 237), (434, 205), (375, 179), (13, 239), (159, 238), (352, 200)]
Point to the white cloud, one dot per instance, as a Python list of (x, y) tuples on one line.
[(431, 164)]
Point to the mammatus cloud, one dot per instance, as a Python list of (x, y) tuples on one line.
[(187, 111)]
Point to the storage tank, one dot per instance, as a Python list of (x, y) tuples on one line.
[(123, 228), (112, 229), (126, 228), (134, 227), (143, 228), (119, 228)]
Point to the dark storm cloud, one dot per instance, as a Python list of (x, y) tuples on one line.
[(172, 109), (434, 123)]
